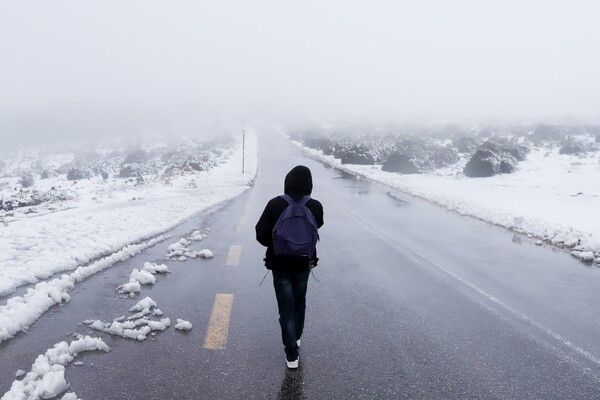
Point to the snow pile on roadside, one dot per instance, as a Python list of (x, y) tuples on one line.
[(183, 325), (137, 326), (154, 268), (197, 236), (179, 251), (551, 196), (47, 377), (22, 311)]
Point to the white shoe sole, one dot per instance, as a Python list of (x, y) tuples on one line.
[(292, 364)]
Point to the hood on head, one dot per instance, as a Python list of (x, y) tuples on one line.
[(298, 181)]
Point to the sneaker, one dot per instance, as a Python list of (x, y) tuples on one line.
[(292, 364)]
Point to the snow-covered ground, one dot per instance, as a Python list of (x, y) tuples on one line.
[(553, 197), (56, 239)]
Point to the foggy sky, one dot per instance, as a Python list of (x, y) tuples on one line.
[(95, 64)]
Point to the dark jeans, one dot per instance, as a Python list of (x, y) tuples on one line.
[(290, 289)]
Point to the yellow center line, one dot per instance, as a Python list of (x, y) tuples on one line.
[(235, 252), (218, 326)]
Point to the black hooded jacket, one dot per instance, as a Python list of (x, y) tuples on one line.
[(298, 183)]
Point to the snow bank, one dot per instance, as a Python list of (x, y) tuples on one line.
[(180, 251), (22, 311), (47, 377)]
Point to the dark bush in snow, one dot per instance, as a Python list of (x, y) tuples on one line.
[(76, 174), (129, 171), (466, 144), (27, 179), (64, 169), (490, 159), (327, 146), (572, 148), (519, 152), (548, 133), (360, 155), (444, 156), (399, 163), (47, 173)]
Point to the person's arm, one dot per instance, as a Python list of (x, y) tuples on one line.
[(264, 228), (317, 210)]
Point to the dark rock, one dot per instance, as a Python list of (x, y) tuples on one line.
[(399, 163)]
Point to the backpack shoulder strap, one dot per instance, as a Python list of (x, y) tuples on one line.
[(304, 200), (287, 198)]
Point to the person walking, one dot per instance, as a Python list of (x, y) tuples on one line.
[(290, 272)]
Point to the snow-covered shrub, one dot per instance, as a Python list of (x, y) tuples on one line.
[(548, 133), (357, 154), (443, 156), (27, 179), (139, 157), (76, 174), (572, 147), (466, 144), (519, 152), (47, 174), (490, 159), (129, 171), (34, 197)]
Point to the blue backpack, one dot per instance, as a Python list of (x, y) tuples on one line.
[(295, 232)]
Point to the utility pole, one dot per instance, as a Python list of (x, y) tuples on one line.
[(243, 148)]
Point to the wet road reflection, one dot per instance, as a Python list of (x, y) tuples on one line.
[(292, 385)]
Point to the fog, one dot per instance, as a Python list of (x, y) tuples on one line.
[(79, 68)]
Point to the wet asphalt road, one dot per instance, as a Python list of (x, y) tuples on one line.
[(412, 302)]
